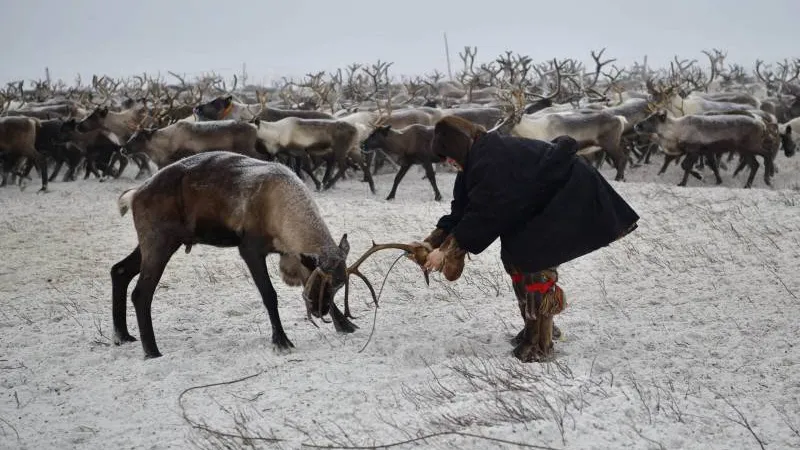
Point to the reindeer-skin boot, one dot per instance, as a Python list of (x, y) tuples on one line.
[(539, 299)]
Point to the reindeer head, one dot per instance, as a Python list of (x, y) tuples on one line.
[(93, 121), (328, 275), (68, 130), (377, 138), (138, 141), (651, 123), (216, 109)]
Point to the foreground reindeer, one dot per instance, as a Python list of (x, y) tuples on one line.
[(226, 199)]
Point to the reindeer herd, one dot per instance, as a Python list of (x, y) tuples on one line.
[(360, 118)]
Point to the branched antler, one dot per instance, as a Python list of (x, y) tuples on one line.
[(418, 253)]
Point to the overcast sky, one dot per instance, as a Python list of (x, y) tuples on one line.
[(293, 37)]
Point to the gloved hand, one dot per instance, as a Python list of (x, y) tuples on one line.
[(449, 259), (435, 260), (420, 253)]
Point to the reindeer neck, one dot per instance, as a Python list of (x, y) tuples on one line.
[(304, 231), (395, 141), (158, 147), (236, 111), (124, 123)]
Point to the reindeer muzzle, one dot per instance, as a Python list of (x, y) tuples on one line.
[(314, 293)]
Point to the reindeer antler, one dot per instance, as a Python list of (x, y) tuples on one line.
[(419, 253)]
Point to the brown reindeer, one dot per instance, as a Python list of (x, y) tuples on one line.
[(169, 144), (226, 199), (123, 125), (411, 145), (18, 142)]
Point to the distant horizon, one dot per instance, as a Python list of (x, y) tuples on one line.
[(275, 40)]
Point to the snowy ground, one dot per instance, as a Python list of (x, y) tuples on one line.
[(682, 335)]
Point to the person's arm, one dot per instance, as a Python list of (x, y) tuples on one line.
[(447, 222)]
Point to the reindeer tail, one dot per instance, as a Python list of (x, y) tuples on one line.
[(124, 201)]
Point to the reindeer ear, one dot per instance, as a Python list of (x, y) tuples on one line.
[(344, 246), (228, 100), (103, 111), (310, 260), (256, 121), (788, 129), (385, 129)]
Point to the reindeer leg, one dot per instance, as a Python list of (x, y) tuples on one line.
[(155, 259), (144, 167), (359, 159), (769, 170), (41, 164), (400, 174), (753, 163), (123, 163), (305, 163), (257, 264), (341, 162), (714, 164), (340, 321), (740, 166), (431, 174), (121, 275), (687, 165)]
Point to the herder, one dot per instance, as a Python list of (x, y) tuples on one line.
[(547, 205)]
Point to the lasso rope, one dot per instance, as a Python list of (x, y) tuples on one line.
[(380, 291)]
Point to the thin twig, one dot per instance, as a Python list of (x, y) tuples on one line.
[(428, 436), (202, 427)]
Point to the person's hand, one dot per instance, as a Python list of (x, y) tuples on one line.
[(435, 260), (420, 253)]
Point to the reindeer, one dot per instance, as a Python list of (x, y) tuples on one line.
[(122, 125), (367, 121), (18, 142), (303, 137), (485, 117), (411, 145), (221, 108), (172, 143), (97, 147), (667, 97), (226, 199), (696, 135), (594, 130), (743, 98)]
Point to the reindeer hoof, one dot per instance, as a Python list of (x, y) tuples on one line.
[(152, 355), (121, 338), (344, 325), (438, 198), (281, 342), (42, 191)]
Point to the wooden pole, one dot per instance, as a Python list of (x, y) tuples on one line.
[(447, 55)]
